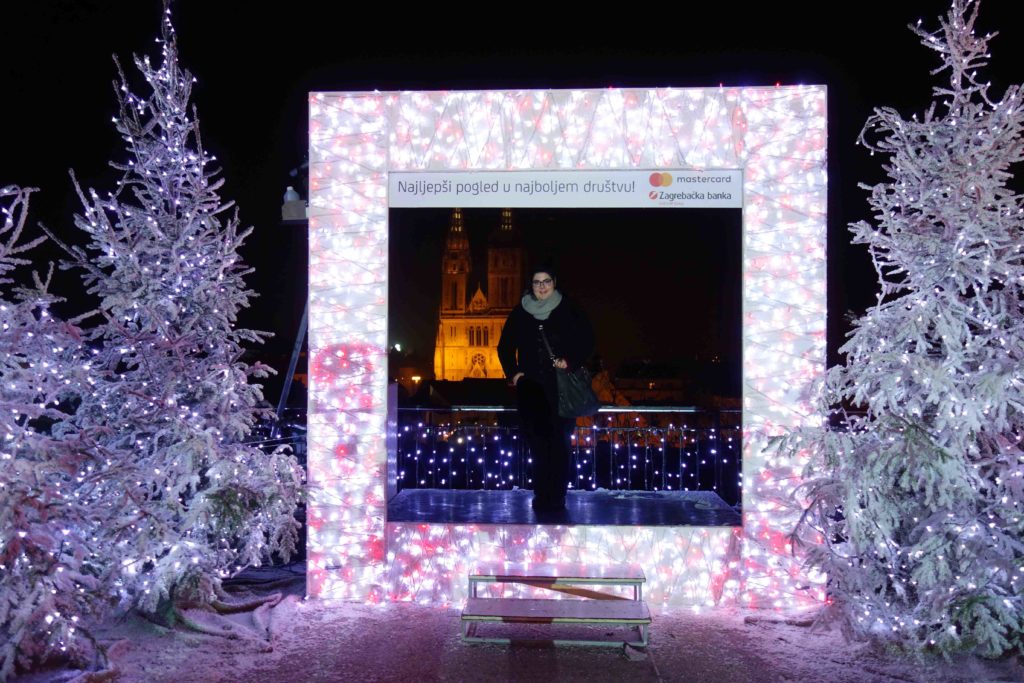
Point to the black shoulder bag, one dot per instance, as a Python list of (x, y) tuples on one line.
[(576, 397)]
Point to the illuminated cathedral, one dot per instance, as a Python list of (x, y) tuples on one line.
[(469, 325)]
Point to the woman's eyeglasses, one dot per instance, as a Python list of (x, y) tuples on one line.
[(542, 283)]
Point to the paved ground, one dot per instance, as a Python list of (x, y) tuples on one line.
[(311, 642), (297, 641)]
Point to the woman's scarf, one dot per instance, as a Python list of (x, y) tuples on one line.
[(541, 308)]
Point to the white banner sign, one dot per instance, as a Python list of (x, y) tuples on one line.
[(651, 189)]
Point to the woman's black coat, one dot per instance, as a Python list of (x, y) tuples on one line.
[(521, 349)]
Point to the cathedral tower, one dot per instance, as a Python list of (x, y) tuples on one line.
[(505, 265), (456, 266)]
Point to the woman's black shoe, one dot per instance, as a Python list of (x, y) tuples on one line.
[(543, 505)]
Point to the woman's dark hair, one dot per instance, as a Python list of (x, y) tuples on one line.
[(543, 267)]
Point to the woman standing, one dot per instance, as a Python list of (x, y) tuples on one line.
[(530, 368)]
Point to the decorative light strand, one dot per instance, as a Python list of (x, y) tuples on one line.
[(776, 135)]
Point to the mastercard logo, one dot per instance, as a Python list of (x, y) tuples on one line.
[(661, 179)]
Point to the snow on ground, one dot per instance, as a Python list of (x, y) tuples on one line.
[(320, 641), (316, 641)]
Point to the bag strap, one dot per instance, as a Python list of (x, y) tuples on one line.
[(547, 346)]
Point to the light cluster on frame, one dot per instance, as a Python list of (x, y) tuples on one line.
[(775, 135)]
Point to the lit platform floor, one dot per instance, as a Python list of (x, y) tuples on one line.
[(603, 508)]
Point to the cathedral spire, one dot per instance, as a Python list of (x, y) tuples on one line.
[(457, 239), (456, 265), (505, 264)]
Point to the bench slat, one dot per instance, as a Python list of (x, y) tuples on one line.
[(538, 611), (621, 574)]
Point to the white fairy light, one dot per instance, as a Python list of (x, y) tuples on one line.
[(776, 135)]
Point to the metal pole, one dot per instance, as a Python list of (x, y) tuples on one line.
[(287, 388)]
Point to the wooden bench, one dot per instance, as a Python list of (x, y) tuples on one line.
[(588, 605)]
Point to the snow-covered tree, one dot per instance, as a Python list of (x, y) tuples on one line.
[(170, 390), (52, 566), (916, 507)]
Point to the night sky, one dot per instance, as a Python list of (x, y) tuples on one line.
[(255, 65)]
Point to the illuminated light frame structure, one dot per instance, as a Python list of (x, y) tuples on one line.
[(775, 135)]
